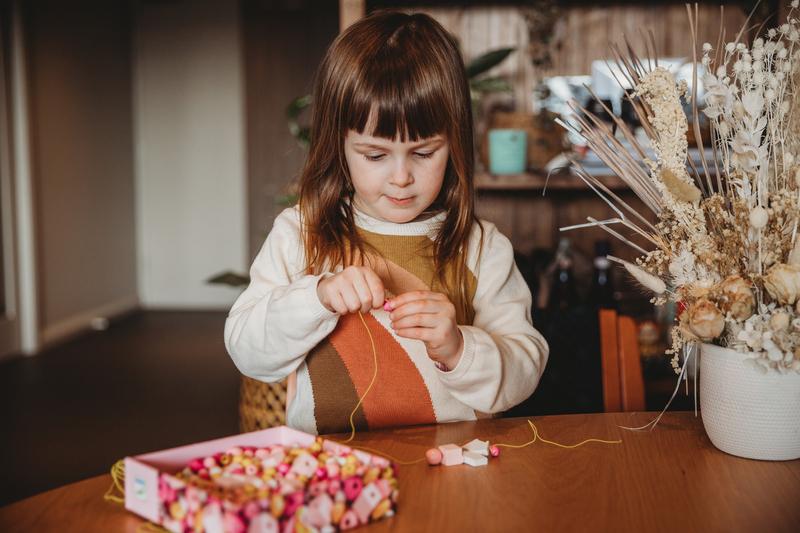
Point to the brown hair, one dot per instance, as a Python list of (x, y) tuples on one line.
[(408, 70)]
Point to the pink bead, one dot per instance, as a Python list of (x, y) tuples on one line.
[(293, 501), (209, 462), (322, 473), (283, 468), (494, 451), (261, 453), (251, 470), (349, 520), (195, 464), (165, 492), (434, 456), (317, 487), (352, 487), (334, 486)]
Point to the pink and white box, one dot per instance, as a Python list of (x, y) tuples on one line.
[(350, 498)]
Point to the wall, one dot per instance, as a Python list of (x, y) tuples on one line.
[(190, 182), (288, 39), (79, 75)]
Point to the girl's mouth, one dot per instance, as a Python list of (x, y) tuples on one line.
[(400, 201)]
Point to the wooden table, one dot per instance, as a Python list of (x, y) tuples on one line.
[(671, 479)]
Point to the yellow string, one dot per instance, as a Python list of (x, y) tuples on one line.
[(538, 437), (371, 383), (117, 483)]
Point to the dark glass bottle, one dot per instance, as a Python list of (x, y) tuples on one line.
[(563, 294), (601, 294)]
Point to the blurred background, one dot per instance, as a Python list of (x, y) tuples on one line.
[(147, 145)]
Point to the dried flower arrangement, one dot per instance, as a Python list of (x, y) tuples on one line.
[(724, 241)]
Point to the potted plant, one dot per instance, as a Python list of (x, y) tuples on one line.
[(721, 239)]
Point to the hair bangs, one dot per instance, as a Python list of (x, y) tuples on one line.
[(400, 100)]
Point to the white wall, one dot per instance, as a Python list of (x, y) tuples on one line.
[(81, 137), (189, 151)]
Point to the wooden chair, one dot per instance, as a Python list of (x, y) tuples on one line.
[(623, 385)]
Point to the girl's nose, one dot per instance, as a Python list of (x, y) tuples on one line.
[(402, 176)]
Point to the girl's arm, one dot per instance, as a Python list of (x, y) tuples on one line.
[(278, 318), (503, 355)]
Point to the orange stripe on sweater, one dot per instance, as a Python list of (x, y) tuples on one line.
[(399, 395)]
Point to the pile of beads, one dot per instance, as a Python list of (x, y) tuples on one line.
[(278, 488)]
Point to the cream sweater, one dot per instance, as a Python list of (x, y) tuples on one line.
[(278, 328)]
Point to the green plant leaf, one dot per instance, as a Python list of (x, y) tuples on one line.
[(490, 59), (490, 84), (287, 200), (297, 105), (234, 279)]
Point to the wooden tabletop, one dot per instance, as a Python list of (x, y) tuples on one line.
[(666, 480)]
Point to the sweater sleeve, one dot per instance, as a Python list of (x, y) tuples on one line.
[(278, 318), (503, 356)]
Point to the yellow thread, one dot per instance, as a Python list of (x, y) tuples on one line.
[(117, 482), (536, 437), (371, 383)]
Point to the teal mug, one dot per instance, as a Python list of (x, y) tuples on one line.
[(508, 151)]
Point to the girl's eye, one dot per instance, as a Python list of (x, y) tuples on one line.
[(373, 157), (424, 155)]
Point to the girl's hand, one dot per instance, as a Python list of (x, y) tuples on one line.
[(356, 288), (429, 317)]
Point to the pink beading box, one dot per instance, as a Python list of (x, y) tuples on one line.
[(146, 474)]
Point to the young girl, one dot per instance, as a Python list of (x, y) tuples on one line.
[(385, 231)]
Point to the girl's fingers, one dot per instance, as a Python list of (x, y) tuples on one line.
[(417, 307), (421, 334), (376, 288), (337, 303), (351, 300), (411, 296), (420, 320), (364, 293)]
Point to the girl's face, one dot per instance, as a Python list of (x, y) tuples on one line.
[(395, 181)]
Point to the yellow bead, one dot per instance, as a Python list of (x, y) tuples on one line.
[(177, 511), (337, 512), (371, 475), (348, 470), (277, 505), (246, 461), (381, 509)]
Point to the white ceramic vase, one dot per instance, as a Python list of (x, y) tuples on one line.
[(745, 412)]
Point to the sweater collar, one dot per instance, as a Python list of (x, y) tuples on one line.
[(427, 226)]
